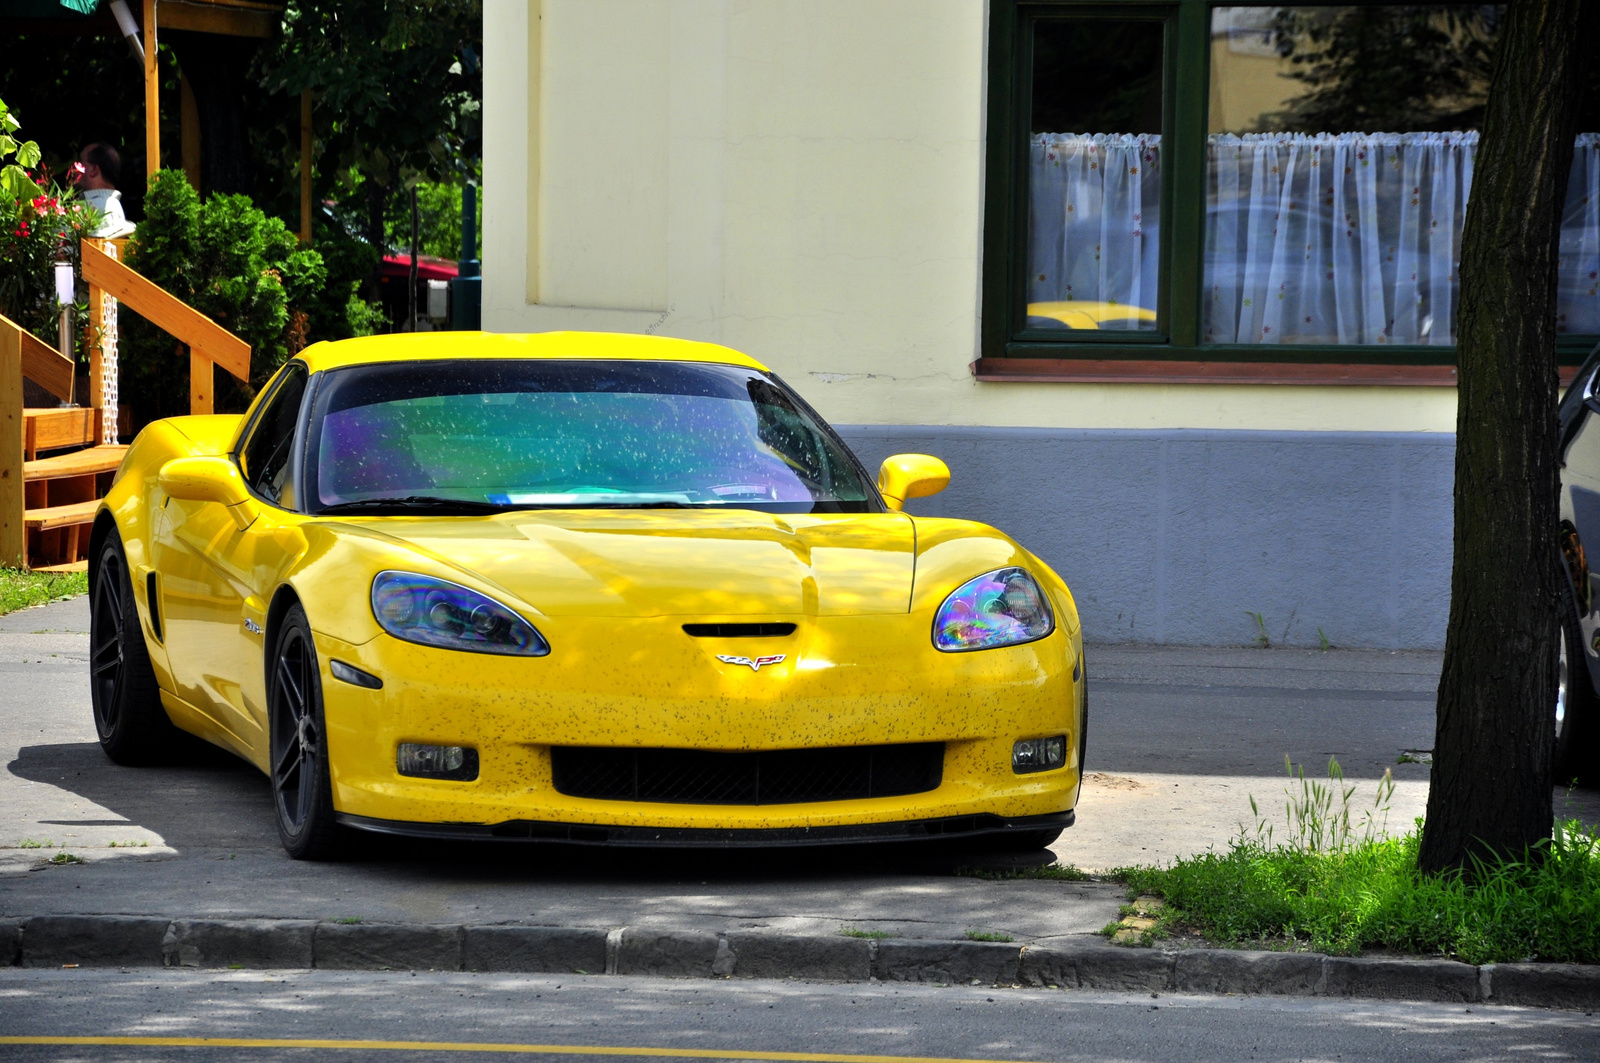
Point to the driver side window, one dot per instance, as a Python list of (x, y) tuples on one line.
[(265, 458)]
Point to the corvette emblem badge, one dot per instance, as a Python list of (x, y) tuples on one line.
[(755, 663)]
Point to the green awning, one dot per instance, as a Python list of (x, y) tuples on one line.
[(47, 8)]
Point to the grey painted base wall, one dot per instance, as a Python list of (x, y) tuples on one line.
[(1177, 536)]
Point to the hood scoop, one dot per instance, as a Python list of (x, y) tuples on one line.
[(738, 631)]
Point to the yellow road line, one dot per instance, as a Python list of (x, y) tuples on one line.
[(478, 1046)]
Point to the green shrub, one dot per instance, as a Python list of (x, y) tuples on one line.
[(340, 312), (244, 270)]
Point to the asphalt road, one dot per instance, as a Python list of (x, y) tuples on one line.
[(612, 1016)]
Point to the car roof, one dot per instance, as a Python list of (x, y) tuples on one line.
[(436, 346)]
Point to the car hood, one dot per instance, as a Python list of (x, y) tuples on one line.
[(675, 562)]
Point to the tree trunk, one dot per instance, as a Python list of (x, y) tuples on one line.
[(1490, 791)]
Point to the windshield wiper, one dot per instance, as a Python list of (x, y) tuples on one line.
[(413, 502), (636, 505)]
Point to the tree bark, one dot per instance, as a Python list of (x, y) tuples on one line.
[(1490, 791)]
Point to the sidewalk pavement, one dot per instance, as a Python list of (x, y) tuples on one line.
[(1179, 739)]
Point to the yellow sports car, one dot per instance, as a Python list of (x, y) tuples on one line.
[(582, 587), (1089, 314)]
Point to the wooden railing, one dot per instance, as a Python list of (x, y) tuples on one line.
[(47, 504), (208, 342)]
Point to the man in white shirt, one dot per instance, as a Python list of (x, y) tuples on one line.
[(96, 173)]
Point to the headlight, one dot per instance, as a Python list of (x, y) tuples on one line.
[(1000, 608), (436, 612)]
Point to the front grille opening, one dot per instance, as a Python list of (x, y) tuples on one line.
[(775, 777), (739, 631)]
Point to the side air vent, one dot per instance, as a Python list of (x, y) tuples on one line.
[(739, 631), (152, 597)]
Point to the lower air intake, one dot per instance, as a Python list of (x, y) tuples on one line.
[(776, 777)]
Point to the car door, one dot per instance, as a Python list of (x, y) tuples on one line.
[(1580, 500), (217, 578)]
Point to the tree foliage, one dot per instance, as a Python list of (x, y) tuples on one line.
[(1392, 68), (397, 88)]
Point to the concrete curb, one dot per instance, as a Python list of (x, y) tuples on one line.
[(140, 941)]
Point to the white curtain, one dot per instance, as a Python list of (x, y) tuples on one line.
[(1094, 218), (1335, 238), (1322, 238)]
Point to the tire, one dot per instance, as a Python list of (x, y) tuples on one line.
[(302, 797), (1577, 711), (128, 716)]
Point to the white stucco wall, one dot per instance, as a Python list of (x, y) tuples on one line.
[(801, 180)]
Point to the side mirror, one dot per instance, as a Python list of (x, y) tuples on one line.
[(209, 480), (906, 476)]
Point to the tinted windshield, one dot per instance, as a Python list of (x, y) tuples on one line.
[(574, 434)]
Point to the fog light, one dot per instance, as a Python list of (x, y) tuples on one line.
[(1039, 754), (459, 763)]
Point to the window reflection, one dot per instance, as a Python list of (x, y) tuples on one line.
[(1340, 158), (1095, 174), (576, 434)]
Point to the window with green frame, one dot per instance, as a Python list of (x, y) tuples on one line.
[(1195, 181)]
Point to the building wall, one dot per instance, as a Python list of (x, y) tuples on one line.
[(1179, 535), (803, 180)]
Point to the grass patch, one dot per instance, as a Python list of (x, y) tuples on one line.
[(1371, 895), (875, 935), (1338, 884), (66, 858), (19, 590), (988, 935), (349, 920), (1055, 873)]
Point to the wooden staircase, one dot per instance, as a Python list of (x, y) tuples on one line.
[(69, 455), (62, 492)]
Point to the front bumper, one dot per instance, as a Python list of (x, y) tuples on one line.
[(645, 684), (946, 828)]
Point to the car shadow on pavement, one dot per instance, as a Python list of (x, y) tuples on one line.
[(209, 800)]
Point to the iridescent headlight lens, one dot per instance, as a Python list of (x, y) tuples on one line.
[(1000, 608), (436, 612)]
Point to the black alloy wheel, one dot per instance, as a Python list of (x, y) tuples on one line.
[(128, 716), (302, 798)]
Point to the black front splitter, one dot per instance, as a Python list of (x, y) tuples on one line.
[(947, 828)]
